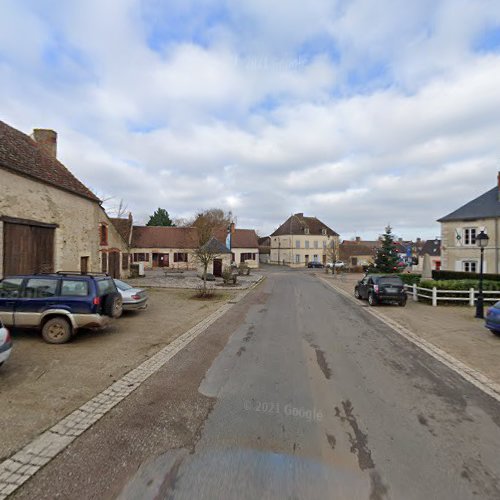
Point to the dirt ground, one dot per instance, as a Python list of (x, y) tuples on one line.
[(41, 383), (451, 328)]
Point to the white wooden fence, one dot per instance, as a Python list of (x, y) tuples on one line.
[(435, 295)]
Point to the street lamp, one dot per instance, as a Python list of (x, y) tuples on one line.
[(482, 242)]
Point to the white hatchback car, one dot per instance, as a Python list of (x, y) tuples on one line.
[(5, 344)]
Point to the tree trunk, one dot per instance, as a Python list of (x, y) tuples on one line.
[(205, 267)]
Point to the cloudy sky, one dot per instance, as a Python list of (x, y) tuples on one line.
[(359, 112)]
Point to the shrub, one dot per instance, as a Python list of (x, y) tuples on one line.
[(464, 284), (227, 275), (243, 269), (460, 275)]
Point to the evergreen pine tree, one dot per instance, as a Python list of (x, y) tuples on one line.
[(160, 218), (387, 258)]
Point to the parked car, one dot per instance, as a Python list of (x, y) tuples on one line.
[(5, 344), (132, 298), (337, 264), (381, 288), (492, 320), (314, 264), (59, 304)]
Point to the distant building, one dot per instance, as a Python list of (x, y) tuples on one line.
[(300, 240), (265, 249), (358, 253), (460, 228)]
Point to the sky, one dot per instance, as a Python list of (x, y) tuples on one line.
[(362, 113)]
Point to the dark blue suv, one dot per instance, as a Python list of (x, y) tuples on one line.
[(60, 303)]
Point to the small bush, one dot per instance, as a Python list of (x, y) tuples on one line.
[(464, 284), (460, 275), (227, 275), (243, 269)]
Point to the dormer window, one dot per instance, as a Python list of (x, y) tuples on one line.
[(323, 232), (306, 230), (103, 235)]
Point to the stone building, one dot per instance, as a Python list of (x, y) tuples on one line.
[(50, 221)]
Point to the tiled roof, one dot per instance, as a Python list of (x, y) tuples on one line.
[(123, 226), (241, 238), (353, 249), (483, 207), (296, 224), (22, 155), (431, 247), (215, 246), (164, 237)]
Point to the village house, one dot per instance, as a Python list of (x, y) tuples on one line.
[(357, 254), (50, 221), (174, 247), (460, 228), (300, 240)]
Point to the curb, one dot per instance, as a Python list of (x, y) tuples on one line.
[(25, 463), (473, 376)]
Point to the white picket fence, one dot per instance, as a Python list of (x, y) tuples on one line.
[(435, 295)]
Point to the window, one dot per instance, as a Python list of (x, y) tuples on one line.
[(105, 286), (74, 288), (323, 231), (125, 259), (315, 258), (297, 259), (40, 288), (470, 236), (121, 285), (316, 244), (246, 256), (469, 266), (10, 288), (307, 243), (297, 244), (84, 264), (103, 235), (324, 244), (104, 262), (180, 257), (141, 257), (306, 230)]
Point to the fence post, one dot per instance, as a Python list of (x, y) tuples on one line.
[(471, 297), (434, 296), (415, 296)]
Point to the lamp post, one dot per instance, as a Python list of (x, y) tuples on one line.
[(482, 242)]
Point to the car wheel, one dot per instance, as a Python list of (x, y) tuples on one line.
[(495, 332), (113, 305), (372, 300), (356, 294), (57, 331)]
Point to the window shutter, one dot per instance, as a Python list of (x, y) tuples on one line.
[(458, 265)]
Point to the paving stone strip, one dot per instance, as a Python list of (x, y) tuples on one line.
[(473, 376), (18, 468)]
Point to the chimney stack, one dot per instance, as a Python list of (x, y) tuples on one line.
[(232, 227), (47, 140), (358, 239)]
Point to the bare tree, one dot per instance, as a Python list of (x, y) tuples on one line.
[(333, 254), (209, 221), (205, 255)]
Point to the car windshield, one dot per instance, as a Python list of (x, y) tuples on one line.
[(121, 285)]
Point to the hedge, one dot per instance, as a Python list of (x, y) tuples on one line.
[(492, 286), (460, 275)]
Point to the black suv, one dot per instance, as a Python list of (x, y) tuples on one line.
[(381, 288), (59, 303)]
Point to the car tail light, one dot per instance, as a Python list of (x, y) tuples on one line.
[(375, 288), (96, 301), (8, 338), (136, 297)]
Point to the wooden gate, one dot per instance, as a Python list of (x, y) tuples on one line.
[(114, 264), (27, 249)]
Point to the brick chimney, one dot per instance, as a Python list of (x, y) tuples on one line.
[(47, 139), (358, 239), (232, 227)]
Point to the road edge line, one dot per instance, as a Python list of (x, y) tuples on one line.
[(22, 465), (468, 373)]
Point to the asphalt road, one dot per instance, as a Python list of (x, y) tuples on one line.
[(296, 393)]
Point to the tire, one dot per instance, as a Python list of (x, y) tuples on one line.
[(495, 332), (113, 306), (356, 294), (372, 300), (57, 331)]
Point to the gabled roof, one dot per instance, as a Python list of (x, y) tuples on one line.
[(241, 238), (20, 154), (297, 223), (431, 247), (123, 226), (483, 207), (164, 237), (215, 246), (355, 248)]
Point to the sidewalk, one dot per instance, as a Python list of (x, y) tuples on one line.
[(450, 328)]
